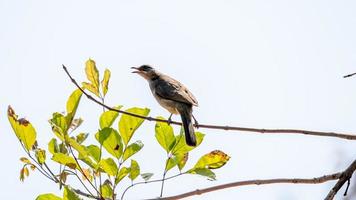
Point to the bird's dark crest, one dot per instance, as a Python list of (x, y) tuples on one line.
[(145, 68)]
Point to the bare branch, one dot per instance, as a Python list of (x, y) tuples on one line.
[(255, 130), (345, 176), (349, 75), (342, 176), (257, 182)]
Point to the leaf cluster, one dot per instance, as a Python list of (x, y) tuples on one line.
[(68, 147)]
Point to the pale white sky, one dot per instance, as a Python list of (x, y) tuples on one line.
[(263, 64)]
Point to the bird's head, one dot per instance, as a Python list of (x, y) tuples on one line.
[(145, 71)]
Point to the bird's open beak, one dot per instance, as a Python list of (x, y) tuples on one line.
[(136, 70)]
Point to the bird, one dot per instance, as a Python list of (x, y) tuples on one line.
[(173, 96)]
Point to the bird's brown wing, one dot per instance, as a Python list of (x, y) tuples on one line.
[(168, 88)]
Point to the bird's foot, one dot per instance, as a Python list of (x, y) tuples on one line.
[(169, 120), (196, 123)]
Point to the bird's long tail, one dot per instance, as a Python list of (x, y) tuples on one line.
[(185, 112)]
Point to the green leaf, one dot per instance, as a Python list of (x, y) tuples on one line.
[(65, 160), (135, 170), (92, 74), (111, 141), (41, 156), (91, 88), (132, 149), (106, 190), (53, 146), (89, 162), (81, 137), (23, 129), (63, 148), (78, 147), (123, 172), (146, 176), (108, 117), (181, 147), (105, 81), (109, 166), (203, 172), (212, 160), (165, 135), (170, 163), (94, 152), (48, 197), (69, 194), (59, 125), (72, 105), (128, 124)]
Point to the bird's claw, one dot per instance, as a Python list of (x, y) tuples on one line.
[(169, 120), (196, 123)]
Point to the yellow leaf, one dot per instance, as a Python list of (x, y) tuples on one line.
[(41, 156), (92, 73), (212, 160), (63, 177), (26, 172), (25, 160), (87, 174), (91, 88), (65, 160), (23, 129), (105, 81), (22, 174), (72, 105)]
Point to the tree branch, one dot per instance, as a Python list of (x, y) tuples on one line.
[(342, 176), (345, 176), (349, 75), (255, 130)]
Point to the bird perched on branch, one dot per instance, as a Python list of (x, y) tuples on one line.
[(173, 96)]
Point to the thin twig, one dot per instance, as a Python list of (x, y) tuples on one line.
[(256, 130), (50, 171), (146, 182), (164, 175), (80, 180), (347, 187), (82, 171), (345, 176), (349, 75)]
